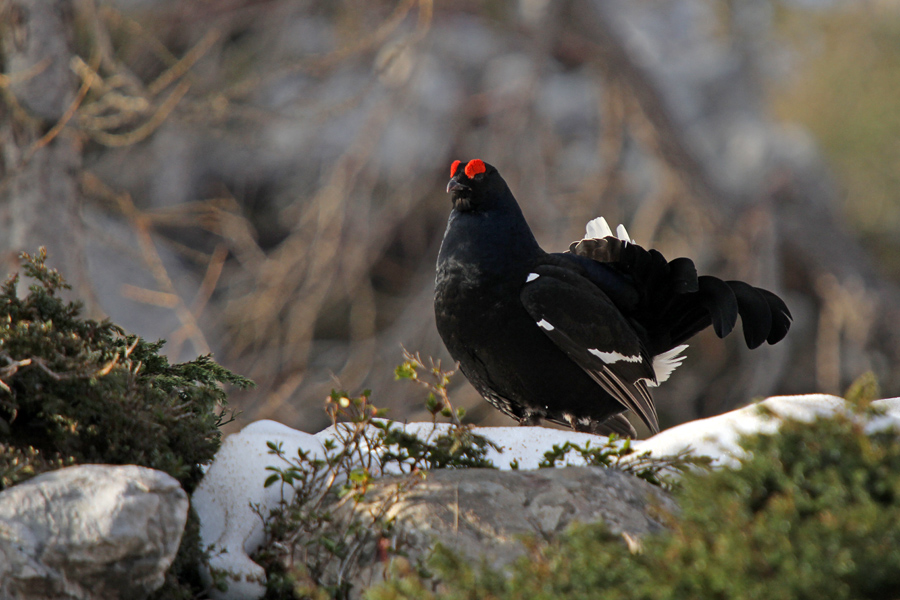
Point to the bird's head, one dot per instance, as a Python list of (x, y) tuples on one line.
[(475, 185)]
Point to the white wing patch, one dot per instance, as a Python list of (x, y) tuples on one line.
[(531, 277), (612, 357), (598, 228), (665, 363), (545, 325)]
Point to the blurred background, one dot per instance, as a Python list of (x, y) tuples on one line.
[(264, 179)]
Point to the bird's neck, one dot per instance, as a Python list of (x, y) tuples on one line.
[(493, 240)]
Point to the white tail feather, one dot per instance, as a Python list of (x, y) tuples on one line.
[(665, 363), (597, 229)]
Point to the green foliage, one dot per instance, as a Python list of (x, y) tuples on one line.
[(315, 539), (76, 390), (863, 390), (18, 464), (183, 581), (458, 448), (618, 454), (813, 512), (435, 381)]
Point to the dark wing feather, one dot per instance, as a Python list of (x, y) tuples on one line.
[(579, 318)]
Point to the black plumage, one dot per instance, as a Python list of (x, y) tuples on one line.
[(576, 337)]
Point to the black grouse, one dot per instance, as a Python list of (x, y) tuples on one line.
[(577, 337)]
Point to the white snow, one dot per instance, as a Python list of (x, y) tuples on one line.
[(233, 482), (717, 437), (235, 479)]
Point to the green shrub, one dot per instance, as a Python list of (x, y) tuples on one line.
[(813, 512), (617, 453), (315, 539), (76, 390)]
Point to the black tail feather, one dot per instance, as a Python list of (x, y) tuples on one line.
[(719, 300), (685, 324), (781, 317), (755, 311), (684, 276), (676, 303)]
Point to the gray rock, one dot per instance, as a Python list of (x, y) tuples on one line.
[(90, 532), (484, 513)]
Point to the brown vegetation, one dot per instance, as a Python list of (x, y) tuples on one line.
[(264, 179)]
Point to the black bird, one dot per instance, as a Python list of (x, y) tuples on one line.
[(576, 337)]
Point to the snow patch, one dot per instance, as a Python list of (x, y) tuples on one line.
[(717, 437), (234, 481)]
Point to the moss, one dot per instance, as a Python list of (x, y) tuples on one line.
[(76, 390), (812, 512)]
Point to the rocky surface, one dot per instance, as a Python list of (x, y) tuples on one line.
[(486, 513), (90, 532)]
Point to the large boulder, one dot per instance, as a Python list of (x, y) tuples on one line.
[(487, 513), (90, 532)]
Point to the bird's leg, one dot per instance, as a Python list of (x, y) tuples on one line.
[(529, 420), (618, 424)]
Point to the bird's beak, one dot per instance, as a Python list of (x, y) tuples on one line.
[(455, 185)]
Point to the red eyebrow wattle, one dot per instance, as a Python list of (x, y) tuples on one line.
[(453, 168), (474, 168)]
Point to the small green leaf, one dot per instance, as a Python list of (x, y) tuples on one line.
[(405, 370)]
